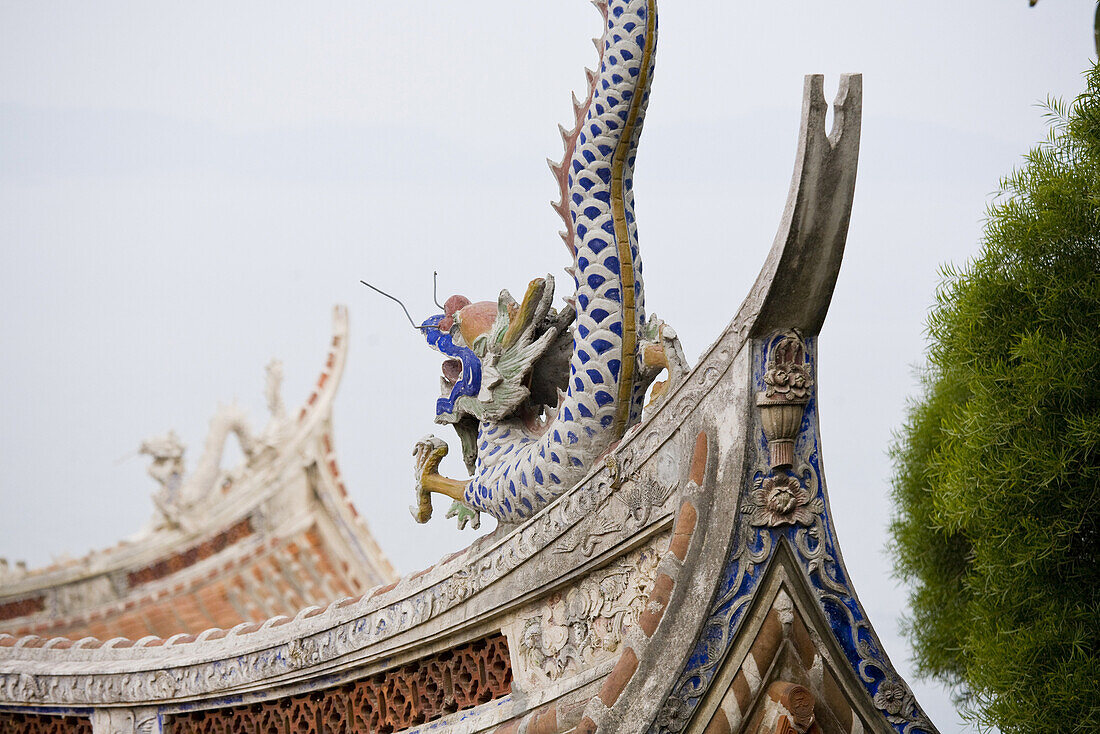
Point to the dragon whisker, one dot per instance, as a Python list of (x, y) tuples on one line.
[(398, 301)]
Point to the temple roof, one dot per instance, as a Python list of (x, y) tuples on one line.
[(689, 579), (271, 536)]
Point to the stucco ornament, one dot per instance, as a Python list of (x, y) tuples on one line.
[(537, 395), (780, 499), (167, 466), (897, 702), (182, 496), (892, 697), (674, 714), (787, 378), (590, 621), (782, 403)]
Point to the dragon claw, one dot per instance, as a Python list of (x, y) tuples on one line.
[(429, 451), (465, 515)]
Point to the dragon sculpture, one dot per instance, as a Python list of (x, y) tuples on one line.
[(538, 395), (182, 495)]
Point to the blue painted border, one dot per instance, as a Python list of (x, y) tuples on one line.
[(752, 551)]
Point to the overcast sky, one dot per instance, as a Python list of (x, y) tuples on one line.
[(187, 188)]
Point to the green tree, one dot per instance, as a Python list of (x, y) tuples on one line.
[(997, 469)]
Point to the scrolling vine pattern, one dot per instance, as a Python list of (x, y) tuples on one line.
[(792, 505)]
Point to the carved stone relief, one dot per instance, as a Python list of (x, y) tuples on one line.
[(637, 496), (787, 389), (784, 498), (586, 624), (580, 513)]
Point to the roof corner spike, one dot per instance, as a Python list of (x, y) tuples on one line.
[(814, 105), (795, 286), (846, 109)]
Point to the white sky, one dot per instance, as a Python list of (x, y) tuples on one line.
[(187, 188)]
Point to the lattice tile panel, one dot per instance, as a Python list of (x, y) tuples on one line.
[(39, 724), (453, 680)]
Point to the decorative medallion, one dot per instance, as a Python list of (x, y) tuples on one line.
[(781, 499)]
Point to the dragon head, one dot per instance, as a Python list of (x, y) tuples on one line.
[(503, 359)]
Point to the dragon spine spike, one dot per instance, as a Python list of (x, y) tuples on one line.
[(555, 168), (569, 141), (598, 44)]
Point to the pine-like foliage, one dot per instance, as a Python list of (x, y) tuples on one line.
[(997, 470)]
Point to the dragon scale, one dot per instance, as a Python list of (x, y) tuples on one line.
[(519, 471)]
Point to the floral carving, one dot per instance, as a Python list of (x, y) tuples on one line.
[(787, 384), (592, 618), (780, 499), (640, 495), (787, 378), (643, 494), (164, 684), (896, 700), (674, 715)]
